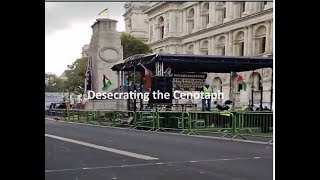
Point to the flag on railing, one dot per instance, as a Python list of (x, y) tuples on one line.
[(240, 81), (106, 83), (88, 76), (146, 78)]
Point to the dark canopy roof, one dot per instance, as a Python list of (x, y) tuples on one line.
[(195, 63)]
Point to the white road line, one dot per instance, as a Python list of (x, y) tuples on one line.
[(153, 164), (126, 153), (175, 134)]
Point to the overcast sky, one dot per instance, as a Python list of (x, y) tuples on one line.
[(68, 28)]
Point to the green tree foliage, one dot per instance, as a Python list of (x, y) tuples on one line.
[(132, 46), (53, 83), (75, 75)]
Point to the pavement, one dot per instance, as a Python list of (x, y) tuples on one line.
[(82, 152)]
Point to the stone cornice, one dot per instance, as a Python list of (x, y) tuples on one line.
[(158, 8), (142, 8), (165, 41)]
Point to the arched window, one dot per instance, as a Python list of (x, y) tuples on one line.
[(205, 14), (217, 84), (255, 81), (204, 47), (190, 19), (190, 49), (260, 40), (239, 44), (161, 27), (221, 46)]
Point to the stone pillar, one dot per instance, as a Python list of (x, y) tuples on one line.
[(219, 13), (268, 33), (196, 48), (197, 17), (256, 7), (106, 51), (184, 22), (172, 23), (211, 47), (271, 37), (236, 9), (229, 48), (245, 40), (172, 49), (249, 50), (248, 7), (212, 14), (166, 26)]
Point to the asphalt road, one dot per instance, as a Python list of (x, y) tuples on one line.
[(81, 152)]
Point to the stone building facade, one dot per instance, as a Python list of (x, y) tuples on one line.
[(212, 28)]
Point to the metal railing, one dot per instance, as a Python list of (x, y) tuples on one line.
[(222, 123)]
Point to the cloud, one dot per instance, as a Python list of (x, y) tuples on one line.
[(61, 15)]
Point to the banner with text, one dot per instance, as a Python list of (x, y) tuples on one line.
[(189, 81)]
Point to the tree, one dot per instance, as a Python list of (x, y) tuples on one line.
[(132, 46), (75, 75), (53, 83)]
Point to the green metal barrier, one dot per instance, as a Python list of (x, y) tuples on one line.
[(172, 120), (145, 120), (258, 124), (211, 122), (224, 123), (123, 118)]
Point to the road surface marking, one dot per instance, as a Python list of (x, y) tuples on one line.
[(152, 164), (126, 153), (169, 133)]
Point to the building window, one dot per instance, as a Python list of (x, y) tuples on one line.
[(260, 40), (204, 47), (255, 80), (151, 32), (220, 46), (239, 44), (263, 45), (205, 15), (263, 5), (161, 32), (190, 19), (190, 49), (161, 27), (224, 13), (241, 49), (217, 84), (223, 50), (242, 8)]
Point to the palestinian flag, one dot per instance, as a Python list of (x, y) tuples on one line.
[(146, 78), (240, 81), (106, 83)]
